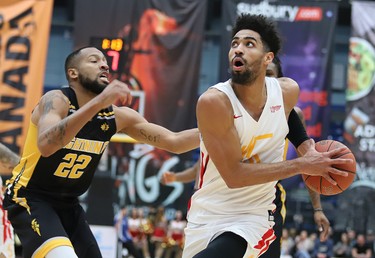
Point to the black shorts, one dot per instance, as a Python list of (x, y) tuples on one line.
[(43, 225), (274, 249)]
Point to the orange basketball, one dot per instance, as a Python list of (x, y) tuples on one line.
[(320, 184)]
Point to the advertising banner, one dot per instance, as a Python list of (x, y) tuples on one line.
[(24, 34), (356, 204), (154, 46)]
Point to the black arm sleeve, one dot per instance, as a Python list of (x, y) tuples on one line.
[(297, 133)]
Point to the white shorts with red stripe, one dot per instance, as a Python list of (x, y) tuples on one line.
[(258, 233)]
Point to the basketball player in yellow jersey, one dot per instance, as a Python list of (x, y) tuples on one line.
[(69, 130), (243, 126)]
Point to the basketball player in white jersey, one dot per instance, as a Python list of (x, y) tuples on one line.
[(243, 124), (8, 160)]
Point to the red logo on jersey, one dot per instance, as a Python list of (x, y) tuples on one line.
[(235, 117), (275, 108)]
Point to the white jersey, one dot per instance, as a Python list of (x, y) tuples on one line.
[(261, 141), (6, 231)]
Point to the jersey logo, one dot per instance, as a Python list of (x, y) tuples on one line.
[(235, 117), (35, 226), (104, 127), (275, 108)]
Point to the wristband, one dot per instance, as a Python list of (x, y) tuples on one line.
[(318, 209), (297, 133)]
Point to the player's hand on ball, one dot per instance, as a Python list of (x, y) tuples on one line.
[(324, 164), (337, 164)]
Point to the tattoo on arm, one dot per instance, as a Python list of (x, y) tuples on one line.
[(149, 137), (8, 158), (54, 135)]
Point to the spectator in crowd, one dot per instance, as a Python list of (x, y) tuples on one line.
[(361, 249), (370, 237), (323, 249), (122, 229), (134, 224), (160, 232), (342, 248), (352, 237), (145, 230), (176, 236), (287, 244), (304, 245)]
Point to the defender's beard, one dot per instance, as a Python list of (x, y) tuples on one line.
[(95, 86)]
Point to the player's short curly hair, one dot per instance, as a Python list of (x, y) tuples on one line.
[(71, 59), (262, 25)]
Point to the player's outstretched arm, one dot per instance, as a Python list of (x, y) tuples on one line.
[(133, 124), (186, 176), (8, 160), (56, 129), (319, 217)]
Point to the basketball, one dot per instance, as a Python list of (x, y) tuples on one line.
[(319, 184)]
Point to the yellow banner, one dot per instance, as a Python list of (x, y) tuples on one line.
[(24, 34)]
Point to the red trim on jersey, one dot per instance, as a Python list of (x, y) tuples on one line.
[(7, 231), (203, 169), (189, 204), (265, 242)]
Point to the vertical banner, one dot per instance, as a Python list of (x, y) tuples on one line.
[(24, 34), (158, 52), (155, 46), (305, 53), (359, 125)]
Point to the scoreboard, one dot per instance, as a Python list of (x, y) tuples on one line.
[(114, 50)]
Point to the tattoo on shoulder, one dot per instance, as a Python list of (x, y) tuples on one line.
[(48, 101), (149, 137)]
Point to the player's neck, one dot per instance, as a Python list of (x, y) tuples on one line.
[(83, 96), (252, 95)]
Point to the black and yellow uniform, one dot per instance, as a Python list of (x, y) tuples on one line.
[(42, 195), (274, 250), (279, 214)]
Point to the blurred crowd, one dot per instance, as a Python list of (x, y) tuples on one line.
[(152, 236), (145, 232), (347, 244)]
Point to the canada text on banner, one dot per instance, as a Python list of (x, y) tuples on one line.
[(24, 34)]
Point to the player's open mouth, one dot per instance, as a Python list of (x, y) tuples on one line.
[(238, 63), (104, 77)]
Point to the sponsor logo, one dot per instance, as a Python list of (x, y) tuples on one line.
[(235, 116), (282, 12), (309, 14), (275, 108)]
